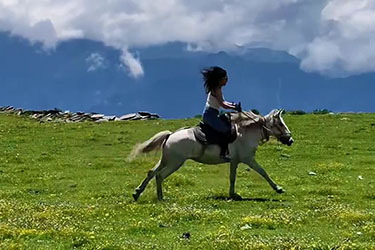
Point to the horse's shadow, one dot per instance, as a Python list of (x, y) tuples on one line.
[(226, 198)]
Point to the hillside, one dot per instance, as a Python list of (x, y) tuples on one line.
[(69, 185)]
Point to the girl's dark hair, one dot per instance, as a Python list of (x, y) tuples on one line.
[(212, 76)]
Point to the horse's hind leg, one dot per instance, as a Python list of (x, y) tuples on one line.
[(167, 170), (151, 173)]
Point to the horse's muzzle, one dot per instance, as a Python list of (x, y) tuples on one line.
[(287, 140)]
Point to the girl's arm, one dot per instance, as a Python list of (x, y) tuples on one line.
[(224, 104)]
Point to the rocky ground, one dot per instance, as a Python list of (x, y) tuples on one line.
[(56, 115)]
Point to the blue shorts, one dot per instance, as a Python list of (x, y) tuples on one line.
[(211, 117)]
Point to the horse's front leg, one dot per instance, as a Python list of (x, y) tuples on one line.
[(232, 180), (254, 165)]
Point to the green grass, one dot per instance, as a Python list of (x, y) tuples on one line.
[(66, 186)]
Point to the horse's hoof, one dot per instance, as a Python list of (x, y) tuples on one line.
[(135, 196), (279, 190), (236, 197)]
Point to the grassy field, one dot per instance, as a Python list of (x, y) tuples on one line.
[(65, 186)]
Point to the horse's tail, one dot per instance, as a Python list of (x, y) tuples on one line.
[(154, 143)]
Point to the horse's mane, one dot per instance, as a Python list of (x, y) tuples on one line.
[(246, 118)]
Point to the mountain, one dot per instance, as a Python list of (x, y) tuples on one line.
[(32, 78)]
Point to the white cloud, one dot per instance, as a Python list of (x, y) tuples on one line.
[(132, 64), (307, 29), (346, 42), (95, 62)]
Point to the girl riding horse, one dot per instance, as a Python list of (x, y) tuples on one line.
[(214, 79)]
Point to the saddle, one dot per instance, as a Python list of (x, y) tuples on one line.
[(206, 135)]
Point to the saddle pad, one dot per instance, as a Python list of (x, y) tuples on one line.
[(206, 135)]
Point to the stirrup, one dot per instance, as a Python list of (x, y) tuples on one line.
[(225, 157)]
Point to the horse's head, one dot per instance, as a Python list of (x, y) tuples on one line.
[(277, 127)]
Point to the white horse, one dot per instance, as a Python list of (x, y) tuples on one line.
[(181, 145)]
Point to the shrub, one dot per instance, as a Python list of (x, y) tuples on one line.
[(321, 111), (255, 111), (296, 112)]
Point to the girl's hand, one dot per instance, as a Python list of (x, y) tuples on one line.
[(238, 107)]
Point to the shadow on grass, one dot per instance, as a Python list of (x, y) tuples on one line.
[(226, 198)]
